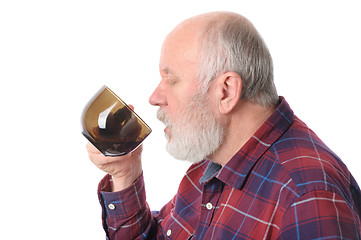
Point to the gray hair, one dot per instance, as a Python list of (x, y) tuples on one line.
[(230, 43)]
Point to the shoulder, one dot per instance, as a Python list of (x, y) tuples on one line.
[(311, 165), (324, 193)]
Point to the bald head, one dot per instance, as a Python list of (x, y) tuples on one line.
[(228, 42), (208, 18), (195, 27)]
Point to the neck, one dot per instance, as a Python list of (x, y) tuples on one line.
[(240, 126)]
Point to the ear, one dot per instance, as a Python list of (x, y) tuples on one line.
[(228, 90)]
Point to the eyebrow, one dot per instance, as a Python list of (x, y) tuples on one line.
[(169, 71), (166, 70)]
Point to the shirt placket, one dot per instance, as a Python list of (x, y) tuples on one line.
[(210, 198)]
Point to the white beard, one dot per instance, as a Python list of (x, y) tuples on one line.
[(196, 134)]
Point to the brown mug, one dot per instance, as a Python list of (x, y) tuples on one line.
[(111, 125)]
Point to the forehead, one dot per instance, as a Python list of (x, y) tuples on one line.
[(179, 52)]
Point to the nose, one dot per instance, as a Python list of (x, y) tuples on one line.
[(158, 97)]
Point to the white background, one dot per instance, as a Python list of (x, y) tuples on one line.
[(54, 55)]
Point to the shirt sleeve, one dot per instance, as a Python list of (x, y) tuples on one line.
[(320, 215), (125, 214)]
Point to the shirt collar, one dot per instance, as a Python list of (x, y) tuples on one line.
[(210, 172), (240, 165)]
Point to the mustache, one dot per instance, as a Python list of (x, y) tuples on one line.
[(163, 117)]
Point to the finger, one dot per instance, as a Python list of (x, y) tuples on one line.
[(131, 106), (99, 158), (138, 150), (91, 148)]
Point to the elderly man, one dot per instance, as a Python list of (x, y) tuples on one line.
[(258, 171)]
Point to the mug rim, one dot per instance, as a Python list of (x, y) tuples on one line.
[(126, 105)]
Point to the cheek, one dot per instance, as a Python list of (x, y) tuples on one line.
[(180, 96), (174, 112), (178, 102)]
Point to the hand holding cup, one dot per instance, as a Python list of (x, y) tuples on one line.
[(115, 133)]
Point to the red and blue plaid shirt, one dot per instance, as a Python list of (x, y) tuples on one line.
[(284, 183)]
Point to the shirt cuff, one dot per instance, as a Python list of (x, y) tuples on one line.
[(125, 203)]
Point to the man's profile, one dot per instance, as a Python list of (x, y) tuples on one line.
[(258, 171)]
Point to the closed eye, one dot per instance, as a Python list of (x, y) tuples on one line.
[(173, 80), (170, 76)]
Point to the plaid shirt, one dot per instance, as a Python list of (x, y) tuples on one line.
[(284, 183)]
